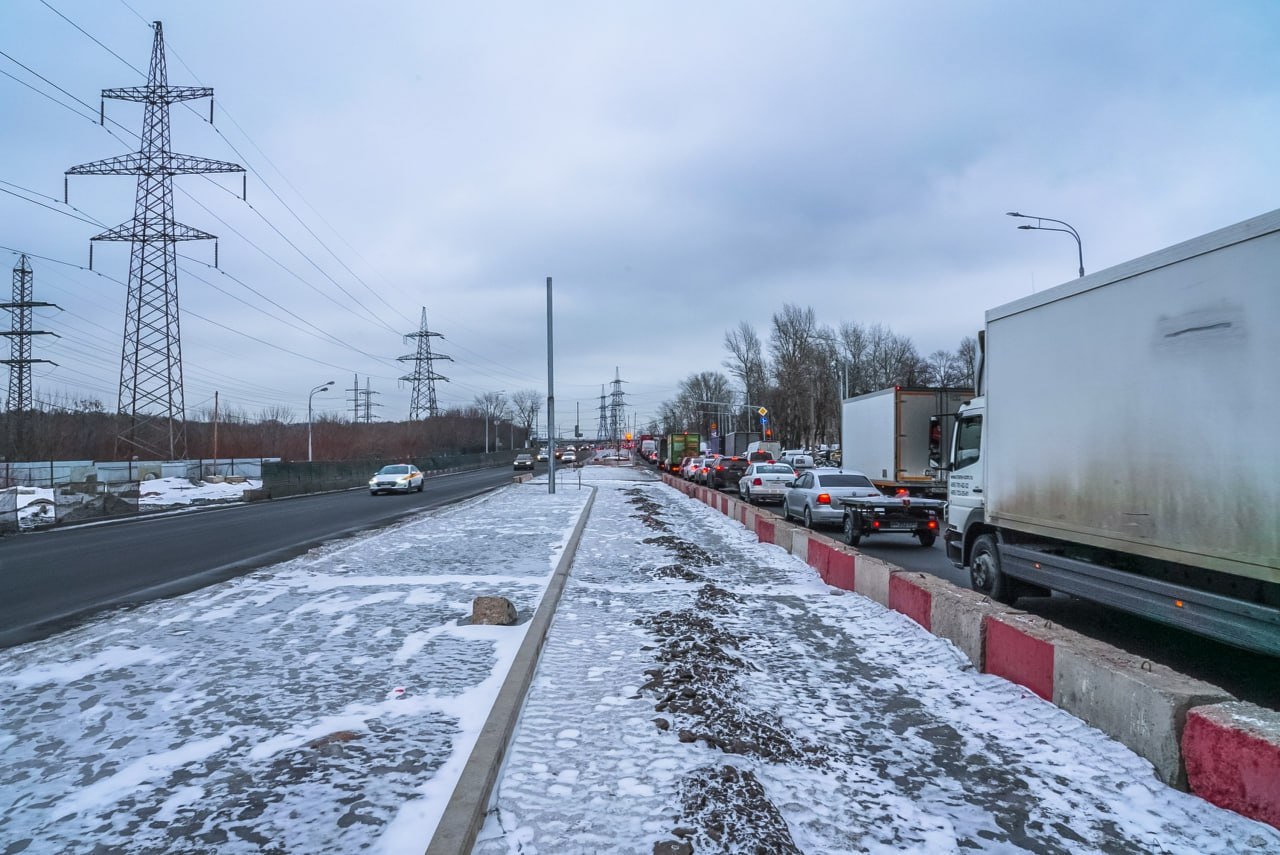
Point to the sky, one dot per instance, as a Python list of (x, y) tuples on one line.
[(683, 167)]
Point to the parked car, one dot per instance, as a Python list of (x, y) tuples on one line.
[(765, 481), (396, 478), (814, 496), (523, 461), (727, 471)]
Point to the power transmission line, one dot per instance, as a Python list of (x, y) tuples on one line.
[(422, 400)]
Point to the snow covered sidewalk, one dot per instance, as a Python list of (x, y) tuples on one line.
[(702, 692), (324, 705)]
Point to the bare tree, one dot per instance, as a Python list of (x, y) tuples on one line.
[(967, 356), (527, 403), (746, 360)]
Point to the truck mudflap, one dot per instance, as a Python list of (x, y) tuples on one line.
[(1251, 626)]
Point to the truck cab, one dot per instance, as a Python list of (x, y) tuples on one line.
[(965, 507)]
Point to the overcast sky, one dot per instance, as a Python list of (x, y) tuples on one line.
[(676, 168)]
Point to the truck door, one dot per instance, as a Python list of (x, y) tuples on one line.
[(965, 481)]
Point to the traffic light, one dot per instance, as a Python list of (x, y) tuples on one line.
[(768, 433)]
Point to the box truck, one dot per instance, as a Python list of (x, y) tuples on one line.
[(899, 437), (680, 446), (1123, 447)]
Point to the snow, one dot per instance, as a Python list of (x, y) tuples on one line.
[(329, 703), (36, 505)]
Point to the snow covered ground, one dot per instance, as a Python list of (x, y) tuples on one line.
[(697, 689)]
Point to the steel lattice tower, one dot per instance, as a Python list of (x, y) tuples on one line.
[(424, 376), (602, 429), (151, 361), (366, 395), (616, 420), (19, 401)]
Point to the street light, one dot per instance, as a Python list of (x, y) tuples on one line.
[(323, 387), (489, 414), (1070, 230)]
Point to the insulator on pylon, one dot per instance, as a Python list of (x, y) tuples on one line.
[(244, 187), (215, 254), (65, 189), (90, 255), (102, 112), (211, 109)]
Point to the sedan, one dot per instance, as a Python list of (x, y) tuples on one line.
[(569, 456), (523, 461), (814, 496), (764, 481), (396, 478)]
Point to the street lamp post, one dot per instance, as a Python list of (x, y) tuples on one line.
[(1070, 230), (323, 387)]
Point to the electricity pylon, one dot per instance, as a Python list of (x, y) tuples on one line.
[(617, 419), (422, 402), (19, 401), (602, 429), (151, 395)]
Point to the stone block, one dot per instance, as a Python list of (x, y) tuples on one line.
[(493, 611)]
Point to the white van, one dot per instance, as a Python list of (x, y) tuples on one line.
[(757, 450)]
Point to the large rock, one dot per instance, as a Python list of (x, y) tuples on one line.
[(493, 611)]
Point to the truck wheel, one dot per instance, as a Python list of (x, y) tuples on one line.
[(927, 538), (851, 535), (985, 573)]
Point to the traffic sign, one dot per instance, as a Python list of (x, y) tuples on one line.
[(763, 412)]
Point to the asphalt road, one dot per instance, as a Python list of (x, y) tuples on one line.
[(51, 580)]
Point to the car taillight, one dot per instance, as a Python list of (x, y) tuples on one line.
[(756, 482), (719, 468), (875, 523), (824, 498), (933, 523)]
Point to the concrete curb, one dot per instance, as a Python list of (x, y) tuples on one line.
[(1195, 734), (464, 814)]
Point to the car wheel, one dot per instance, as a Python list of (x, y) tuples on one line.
[(421, 484), (851, 535), (373, 492), (927, 538), (986, 575), (746, 497), (808, 518)]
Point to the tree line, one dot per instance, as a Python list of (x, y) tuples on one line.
[(801, 373), (72, 428)]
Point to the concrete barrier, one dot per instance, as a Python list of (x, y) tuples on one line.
[(1232, 754), (1020, 648), (764, 528), (1140, 704), (872, 579)]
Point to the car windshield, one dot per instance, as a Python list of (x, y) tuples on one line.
[(395, 469), (775, 470), (846, 481)]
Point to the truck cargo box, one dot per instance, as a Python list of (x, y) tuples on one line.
[(1138, 408)]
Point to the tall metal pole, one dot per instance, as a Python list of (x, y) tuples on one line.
[(321, 388), (551, 399)]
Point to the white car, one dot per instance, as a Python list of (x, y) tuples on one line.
[(693, 464), (396, 478), (765, 481), (569, 456), (542, 455), (814, 496)]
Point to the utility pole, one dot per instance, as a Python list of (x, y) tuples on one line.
[(551, 398), (422, 401), (20, 332), (151, 393)]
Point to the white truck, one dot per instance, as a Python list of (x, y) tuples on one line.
[(1124, 446), (898, 438)]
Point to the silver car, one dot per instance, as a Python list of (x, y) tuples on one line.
[(765, 482), (814, 496)]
